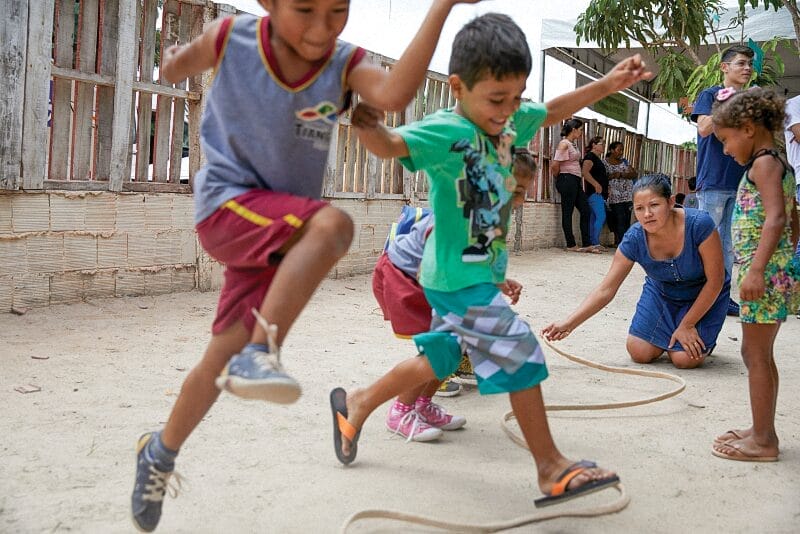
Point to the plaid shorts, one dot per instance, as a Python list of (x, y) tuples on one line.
[(479, 322)]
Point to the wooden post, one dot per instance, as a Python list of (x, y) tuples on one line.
[(13, 35), (123, 97), (83, 131), (105, 95), (196, 84), (179, 110), (37, 94), (61, 100), (145, 108)]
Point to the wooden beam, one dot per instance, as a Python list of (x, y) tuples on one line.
[(37, 95), (109, 81), (94, 185)]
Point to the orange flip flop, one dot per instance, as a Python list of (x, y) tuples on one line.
[(560, 493), (342, 427)]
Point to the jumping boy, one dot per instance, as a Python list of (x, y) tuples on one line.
[(489, 66), (280, 82), (413, 414)]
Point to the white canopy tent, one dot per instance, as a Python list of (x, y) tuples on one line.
[(558, 40)]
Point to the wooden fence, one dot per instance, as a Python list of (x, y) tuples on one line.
[(86, 110)]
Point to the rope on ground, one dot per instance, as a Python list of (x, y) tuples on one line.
[(615, 506), (508, 416), (610, 508)]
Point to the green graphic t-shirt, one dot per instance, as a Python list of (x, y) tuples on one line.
[(471, 187)]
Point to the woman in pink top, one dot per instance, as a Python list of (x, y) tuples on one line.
[(566, 163)]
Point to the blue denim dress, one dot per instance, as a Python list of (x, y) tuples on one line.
[(671, 286)]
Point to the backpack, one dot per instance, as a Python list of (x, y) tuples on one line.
[(409, 216)]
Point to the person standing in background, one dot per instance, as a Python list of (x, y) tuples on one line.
[(566, 165), (620, 190), (792, 133), (718, 174)]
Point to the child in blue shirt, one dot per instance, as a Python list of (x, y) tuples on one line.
[(279, 84)]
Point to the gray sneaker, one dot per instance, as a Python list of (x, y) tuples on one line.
[(150, 487), (255, 374)]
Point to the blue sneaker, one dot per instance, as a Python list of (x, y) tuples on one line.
[(733, 308), (151, 485), (257, 374)]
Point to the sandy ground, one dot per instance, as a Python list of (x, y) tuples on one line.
[(110, 369)]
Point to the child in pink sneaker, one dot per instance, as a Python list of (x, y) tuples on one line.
[(413, 414)]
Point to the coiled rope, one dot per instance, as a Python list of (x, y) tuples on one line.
[(615, 506)]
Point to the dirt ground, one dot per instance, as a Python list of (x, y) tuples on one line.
[(110, 369)]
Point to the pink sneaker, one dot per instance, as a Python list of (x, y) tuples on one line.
[(437, 416), (404, 420)]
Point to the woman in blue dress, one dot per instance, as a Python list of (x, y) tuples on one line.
[(685, 295)]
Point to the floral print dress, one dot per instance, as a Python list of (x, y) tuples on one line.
[(782, 273)]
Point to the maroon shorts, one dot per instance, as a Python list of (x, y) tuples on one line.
[(401, 298), (246, 234)]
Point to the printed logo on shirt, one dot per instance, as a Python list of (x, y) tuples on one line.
[(314, 124), (483, 194)]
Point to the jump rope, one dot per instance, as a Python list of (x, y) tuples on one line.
[(622, 500), (617, 505)]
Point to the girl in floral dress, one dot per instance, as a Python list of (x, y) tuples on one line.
[(765, 233)]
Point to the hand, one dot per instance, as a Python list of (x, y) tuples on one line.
[(365, 116), (556, 331), (598, 189), (512, 289), (627, 73), (690, 340), (753, 285)]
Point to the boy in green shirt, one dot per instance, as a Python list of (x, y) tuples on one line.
[(467, 153)]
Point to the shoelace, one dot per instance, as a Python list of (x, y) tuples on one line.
[(268, 362), (437, 411), (161, 485), (411, 417)]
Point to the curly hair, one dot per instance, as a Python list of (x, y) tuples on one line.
[(757, 105)]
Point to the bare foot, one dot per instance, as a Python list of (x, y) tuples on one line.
[(732, 435), (746, 450), (354, 416)]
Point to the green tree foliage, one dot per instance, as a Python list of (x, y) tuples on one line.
[(673, 31)]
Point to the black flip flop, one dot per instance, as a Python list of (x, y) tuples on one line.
[(342, 427)]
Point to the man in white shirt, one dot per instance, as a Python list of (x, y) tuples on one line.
[(792, 133)]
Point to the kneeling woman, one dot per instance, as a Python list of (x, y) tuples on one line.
[(686, 290)]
